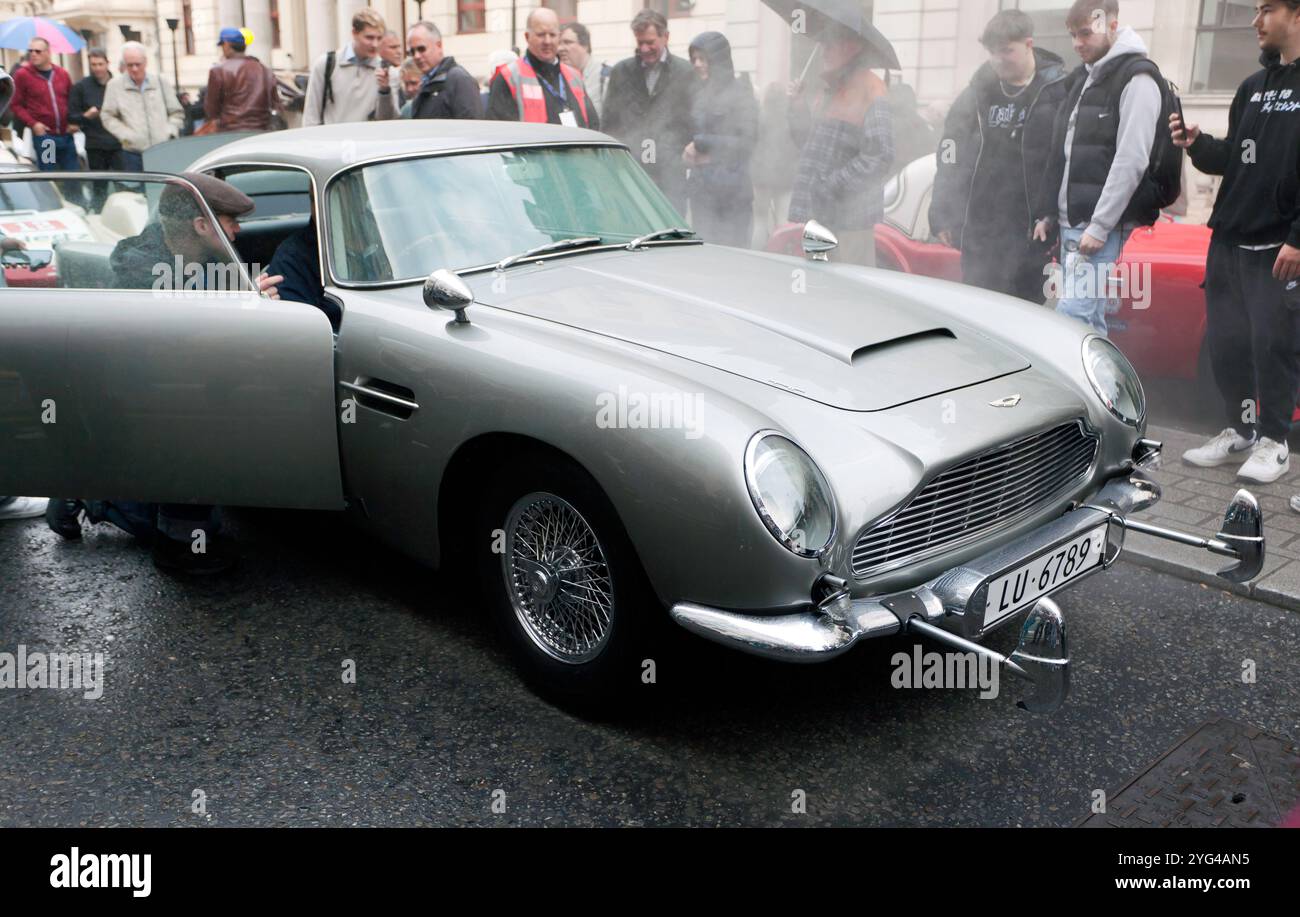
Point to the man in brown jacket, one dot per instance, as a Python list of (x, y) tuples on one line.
[(241, 89)]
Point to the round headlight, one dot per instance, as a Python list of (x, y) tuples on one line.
[(1114, 380), (790, 493)]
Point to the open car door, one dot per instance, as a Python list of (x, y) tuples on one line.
[(145, 366)]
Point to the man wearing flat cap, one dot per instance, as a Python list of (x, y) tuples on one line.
[(182, 249)]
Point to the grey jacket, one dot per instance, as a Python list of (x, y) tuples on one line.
[(356, 95)]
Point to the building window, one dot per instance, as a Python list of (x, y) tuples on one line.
[(1050, 33), (470, 15), (671, 8), (187, 17), (1227, 50), (275, 23), (565, 10)]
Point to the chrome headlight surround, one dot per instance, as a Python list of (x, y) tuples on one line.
[(1114, 380), (765, 450)]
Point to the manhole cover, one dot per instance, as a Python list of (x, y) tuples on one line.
[(1223, 775)]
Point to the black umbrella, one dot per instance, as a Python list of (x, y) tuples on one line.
[(817, 15)]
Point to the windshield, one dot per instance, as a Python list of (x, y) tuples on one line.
[(402, 220)]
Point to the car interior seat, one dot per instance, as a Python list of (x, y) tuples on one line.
[(85, 265)]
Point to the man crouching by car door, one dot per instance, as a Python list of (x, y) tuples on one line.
[(184, 538), (995, 139)]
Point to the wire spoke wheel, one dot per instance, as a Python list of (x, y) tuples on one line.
[(557, 578)]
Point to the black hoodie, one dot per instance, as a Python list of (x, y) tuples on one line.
[(993, 150), (724, 118), (1259, 200)]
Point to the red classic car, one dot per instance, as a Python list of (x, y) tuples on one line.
[(1160, 325)]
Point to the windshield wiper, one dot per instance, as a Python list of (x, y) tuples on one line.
[(640, 241), (562, 245)]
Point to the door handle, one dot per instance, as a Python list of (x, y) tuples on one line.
[(380, 400)]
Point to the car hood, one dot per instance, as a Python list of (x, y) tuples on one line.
[(852, 338)]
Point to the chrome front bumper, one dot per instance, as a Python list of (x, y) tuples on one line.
[(950, 607)]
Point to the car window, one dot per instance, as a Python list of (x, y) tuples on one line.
[(403, 219), (276, 193), (114, 235)]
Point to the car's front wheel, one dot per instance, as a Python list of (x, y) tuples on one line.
[(564, 585)]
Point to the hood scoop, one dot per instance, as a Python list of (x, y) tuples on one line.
[(880, 347)]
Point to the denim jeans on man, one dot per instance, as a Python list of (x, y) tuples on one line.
[(56, 153), (1085, 280)]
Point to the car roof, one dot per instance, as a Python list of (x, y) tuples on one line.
[(326, 149)]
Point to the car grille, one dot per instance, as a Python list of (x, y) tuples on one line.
[(978, 497)]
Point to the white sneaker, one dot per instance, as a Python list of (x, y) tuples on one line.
[(1228, 446), (22, 507), (1268, 461)]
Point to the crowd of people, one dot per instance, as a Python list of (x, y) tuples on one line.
[(1040, 162), (1037, 161), (692, 121)]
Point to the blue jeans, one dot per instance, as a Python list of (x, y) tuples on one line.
[(138, 519), (132, 162), (1085, 281), (56, 153)]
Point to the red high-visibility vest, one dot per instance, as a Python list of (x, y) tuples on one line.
[(531, 97)]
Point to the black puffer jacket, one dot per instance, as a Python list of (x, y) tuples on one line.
[(963, 138), (724, 118)]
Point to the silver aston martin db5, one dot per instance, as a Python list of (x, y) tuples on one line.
[(522, 364)]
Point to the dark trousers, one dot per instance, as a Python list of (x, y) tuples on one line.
[(104, 160), (56, 153), (100, 161), (1252, 324), (132, 162), (1005, 263)]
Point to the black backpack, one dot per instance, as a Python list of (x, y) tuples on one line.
[(1165, 172)]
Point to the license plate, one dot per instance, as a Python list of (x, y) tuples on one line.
[(1044, 574)]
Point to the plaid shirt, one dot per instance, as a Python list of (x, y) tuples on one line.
[(841, 176)]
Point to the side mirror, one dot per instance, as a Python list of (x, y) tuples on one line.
[(817, 241), (445, 290)]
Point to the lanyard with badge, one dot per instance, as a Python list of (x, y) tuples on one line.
[(567, 118)]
